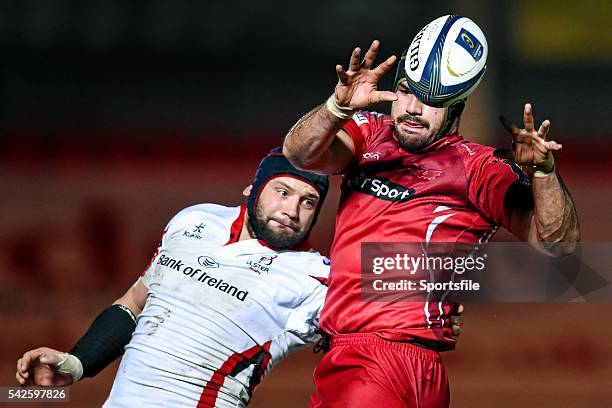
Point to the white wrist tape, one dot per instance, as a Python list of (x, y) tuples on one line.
[(545, 168), (341, 112), (70, 364), (539, 173)]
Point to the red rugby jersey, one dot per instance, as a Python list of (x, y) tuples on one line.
[(451, 191)]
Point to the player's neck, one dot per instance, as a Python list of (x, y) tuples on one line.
[(244, 232)]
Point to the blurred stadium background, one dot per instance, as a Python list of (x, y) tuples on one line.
[(116, 114)]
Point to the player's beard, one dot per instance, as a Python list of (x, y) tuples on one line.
[(258, 228), (412, 141)]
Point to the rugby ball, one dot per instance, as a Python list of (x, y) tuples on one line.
[(446, 60)]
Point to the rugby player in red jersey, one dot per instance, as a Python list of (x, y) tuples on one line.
[(411, 177)]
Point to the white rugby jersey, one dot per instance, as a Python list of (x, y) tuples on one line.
[(219, 314)]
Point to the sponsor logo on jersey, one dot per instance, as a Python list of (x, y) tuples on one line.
[(326, 261), (191, 235), (424, 174), (262, 264), (197, 230), (267, 260), (170, 263), (203, 277), (371, 155), (380, 188), (469, 150), (207, 262), (360, 119)]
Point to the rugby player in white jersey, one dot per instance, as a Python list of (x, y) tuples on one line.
[(229, 293)]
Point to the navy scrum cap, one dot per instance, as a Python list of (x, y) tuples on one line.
[(275, 164)]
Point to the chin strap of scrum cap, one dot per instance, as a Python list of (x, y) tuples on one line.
[(453, 113)]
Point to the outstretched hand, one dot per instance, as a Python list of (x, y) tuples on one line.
[(357, 87), (39, 367), (529, 147)]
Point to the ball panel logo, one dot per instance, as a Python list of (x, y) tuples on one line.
[(470, 43), (414, 49)]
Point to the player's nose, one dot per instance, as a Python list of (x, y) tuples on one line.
[(414, 106), (291, 207)]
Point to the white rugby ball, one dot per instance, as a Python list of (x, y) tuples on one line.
[(446, 60)]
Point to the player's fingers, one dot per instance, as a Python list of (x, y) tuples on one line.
[(370, 55), (523, 137), (342, 75), (385, 66), (26, 362), (456, 325), (460, 308), (382, 96), (528, 117), (26, 359), (544, 129), (49, 358), (530, 138), (354, 63), (508, 125), (504, 154), (22, 380), (552, 145), (457, 320), (22, 370), (25, 373)]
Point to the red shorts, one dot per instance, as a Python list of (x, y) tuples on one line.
[(364, 370)]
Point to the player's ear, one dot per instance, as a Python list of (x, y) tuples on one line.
[(247, 190)]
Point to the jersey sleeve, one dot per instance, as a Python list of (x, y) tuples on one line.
[(360, 128), (171, 228), (303, 321), (147, 274), (491, 182)]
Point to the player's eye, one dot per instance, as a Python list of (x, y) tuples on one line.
[(308, 204), (404, 90), (282, 192)]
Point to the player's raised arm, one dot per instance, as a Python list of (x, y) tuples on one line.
[(316, 142), (552, 226), (102, 344)]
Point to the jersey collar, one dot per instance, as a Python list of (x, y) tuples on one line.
[(440, 143)]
